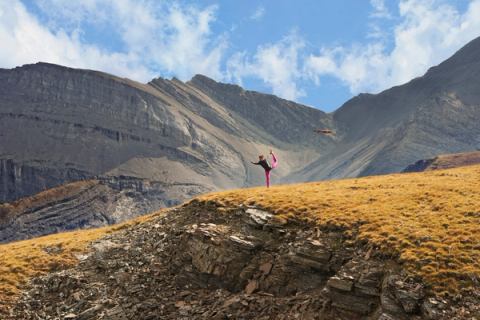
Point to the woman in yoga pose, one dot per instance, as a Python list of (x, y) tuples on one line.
[(266, 166)]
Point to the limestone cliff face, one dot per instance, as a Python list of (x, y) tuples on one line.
[(18, 179), (57, 120)]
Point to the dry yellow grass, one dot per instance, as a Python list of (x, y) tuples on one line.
[(25, 259), (429, 220)]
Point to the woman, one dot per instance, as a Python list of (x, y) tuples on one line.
[(266, 166)]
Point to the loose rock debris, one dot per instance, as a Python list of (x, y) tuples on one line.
[(198, 262)]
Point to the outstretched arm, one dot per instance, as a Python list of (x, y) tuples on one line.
[(257, 163)]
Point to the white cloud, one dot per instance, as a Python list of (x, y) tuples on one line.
[(258, 13), (429, 31), (357, 66), (185, 46), (380, 10), (277, 65), (25, 40), (157, 37)]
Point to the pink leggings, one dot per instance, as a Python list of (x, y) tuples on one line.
[(267, 172)]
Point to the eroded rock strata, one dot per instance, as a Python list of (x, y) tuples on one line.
[(89, 203)]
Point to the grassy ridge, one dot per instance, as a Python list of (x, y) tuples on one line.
[(429, 220)]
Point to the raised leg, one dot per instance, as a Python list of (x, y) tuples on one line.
[(274, 161)]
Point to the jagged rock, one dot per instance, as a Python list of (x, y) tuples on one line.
[(215, 251), (432, 309), (116, 313), (399, 297), (259, 217), (391, 305), (356, 286), (343, 284), (251, 287), (409, 299), (266, 268), (90, 313), (315, 250)]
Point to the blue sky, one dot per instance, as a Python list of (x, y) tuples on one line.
[(320, 53)]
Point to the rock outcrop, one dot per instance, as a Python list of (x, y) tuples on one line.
[(202, 261), (445, 161), (87, 204)]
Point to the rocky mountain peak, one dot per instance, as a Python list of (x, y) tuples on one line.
[(47, 66), (209, 85), (467, 56)]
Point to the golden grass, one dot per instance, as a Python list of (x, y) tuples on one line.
[(22, 260), (429, 220)]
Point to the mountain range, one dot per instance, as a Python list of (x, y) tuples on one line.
[(60, 125)]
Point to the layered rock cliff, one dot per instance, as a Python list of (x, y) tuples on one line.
[(87, 204)]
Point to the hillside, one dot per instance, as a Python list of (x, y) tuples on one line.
[(445, 161), (401, 246)]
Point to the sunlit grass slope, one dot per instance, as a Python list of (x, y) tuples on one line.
[(22, 260), (430, 220)]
